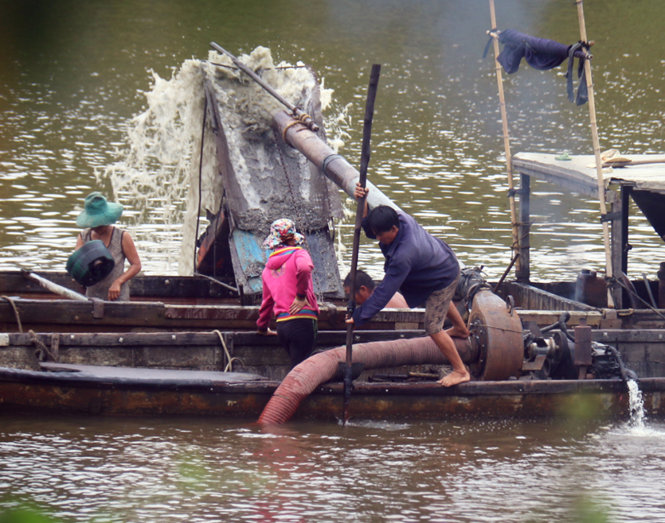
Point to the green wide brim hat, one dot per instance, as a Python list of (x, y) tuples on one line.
[(98, 211)]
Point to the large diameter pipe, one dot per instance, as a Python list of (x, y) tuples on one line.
[(305, 377), (334, 166)]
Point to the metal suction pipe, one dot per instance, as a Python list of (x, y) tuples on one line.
[(334, 166)]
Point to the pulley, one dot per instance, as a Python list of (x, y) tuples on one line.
[(496, 331)]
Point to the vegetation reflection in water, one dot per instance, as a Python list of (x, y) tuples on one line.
[(574, 468)]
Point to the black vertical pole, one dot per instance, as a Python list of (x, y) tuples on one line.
[(362, 180)]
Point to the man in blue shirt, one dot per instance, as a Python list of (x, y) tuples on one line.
[(425, 270)]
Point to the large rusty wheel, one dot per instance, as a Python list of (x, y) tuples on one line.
[(496, 330)]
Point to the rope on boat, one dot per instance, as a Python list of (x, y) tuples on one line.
[(43, 353), (301, 118), (282, 163), (229, 365), (16, 313)]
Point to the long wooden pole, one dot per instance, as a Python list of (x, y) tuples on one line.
[(506, 138), (364, 162), (54, 287), (596, 151)]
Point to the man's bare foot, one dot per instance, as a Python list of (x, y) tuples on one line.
[(455, 332), (454, 378)]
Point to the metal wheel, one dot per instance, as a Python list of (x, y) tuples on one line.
[(496, 330)]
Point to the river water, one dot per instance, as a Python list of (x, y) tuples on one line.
[(73, 74), (82, 469)]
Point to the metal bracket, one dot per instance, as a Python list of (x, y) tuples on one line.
[(97, 308), (329, 159)]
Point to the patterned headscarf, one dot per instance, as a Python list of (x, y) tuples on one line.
[(280, 230)]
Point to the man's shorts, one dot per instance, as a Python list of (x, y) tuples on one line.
[(436, 307)]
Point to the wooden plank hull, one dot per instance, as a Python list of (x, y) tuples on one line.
[(66, 392), (69, 316), (173, 303), (56, 315), (201, 351), (189, 325), (641, 350), (179, 373)]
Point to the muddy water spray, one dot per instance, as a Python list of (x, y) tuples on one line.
[(160, 170)]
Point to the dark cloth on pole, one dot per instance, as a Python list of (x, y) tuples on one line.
[(582, 91), (543, 54), (539, 53)]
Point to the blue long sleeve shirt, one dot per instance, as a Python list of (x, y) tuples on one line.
[(417, 264)]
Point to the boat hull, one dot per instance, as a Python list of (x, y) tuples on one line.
[(80, 393)]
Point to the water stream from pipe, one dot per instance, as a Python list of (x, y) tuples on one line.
[(636, 405)]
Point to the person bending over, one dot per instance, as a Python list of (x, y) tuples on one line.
[(425, 270)]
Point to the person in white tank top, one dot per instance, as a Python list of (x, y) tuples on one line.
[(97, 219)]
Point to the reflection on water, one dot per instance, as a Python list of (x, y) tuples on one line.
[(73, 76), (173, 470)]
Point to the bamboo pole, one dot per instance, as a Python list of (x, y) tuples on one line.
[(596, 151), (506, 138)]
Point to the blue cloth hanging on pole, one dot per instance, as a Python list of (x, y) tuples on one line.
[(543, 54)]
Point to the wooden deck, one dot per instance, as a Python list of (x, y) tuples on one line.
[(645, 183), (579, 173)]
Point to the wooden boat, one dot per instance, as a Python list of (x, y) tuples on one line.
[(93, 390), (182, 373), (184, 345), (140, 362), (640, 178)]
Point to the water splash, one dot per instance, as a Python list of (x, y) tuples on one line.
[(161, 171), (155, 169), (636, 405)]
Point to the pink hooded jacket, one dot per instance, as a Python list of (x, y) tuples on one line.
[(288, 272)]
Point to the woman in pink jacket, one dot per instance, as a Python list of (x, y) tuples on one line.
[(288, 292)]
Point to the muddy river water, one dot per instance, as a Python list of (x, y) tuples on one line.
[(83, 469), (72, 77)]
